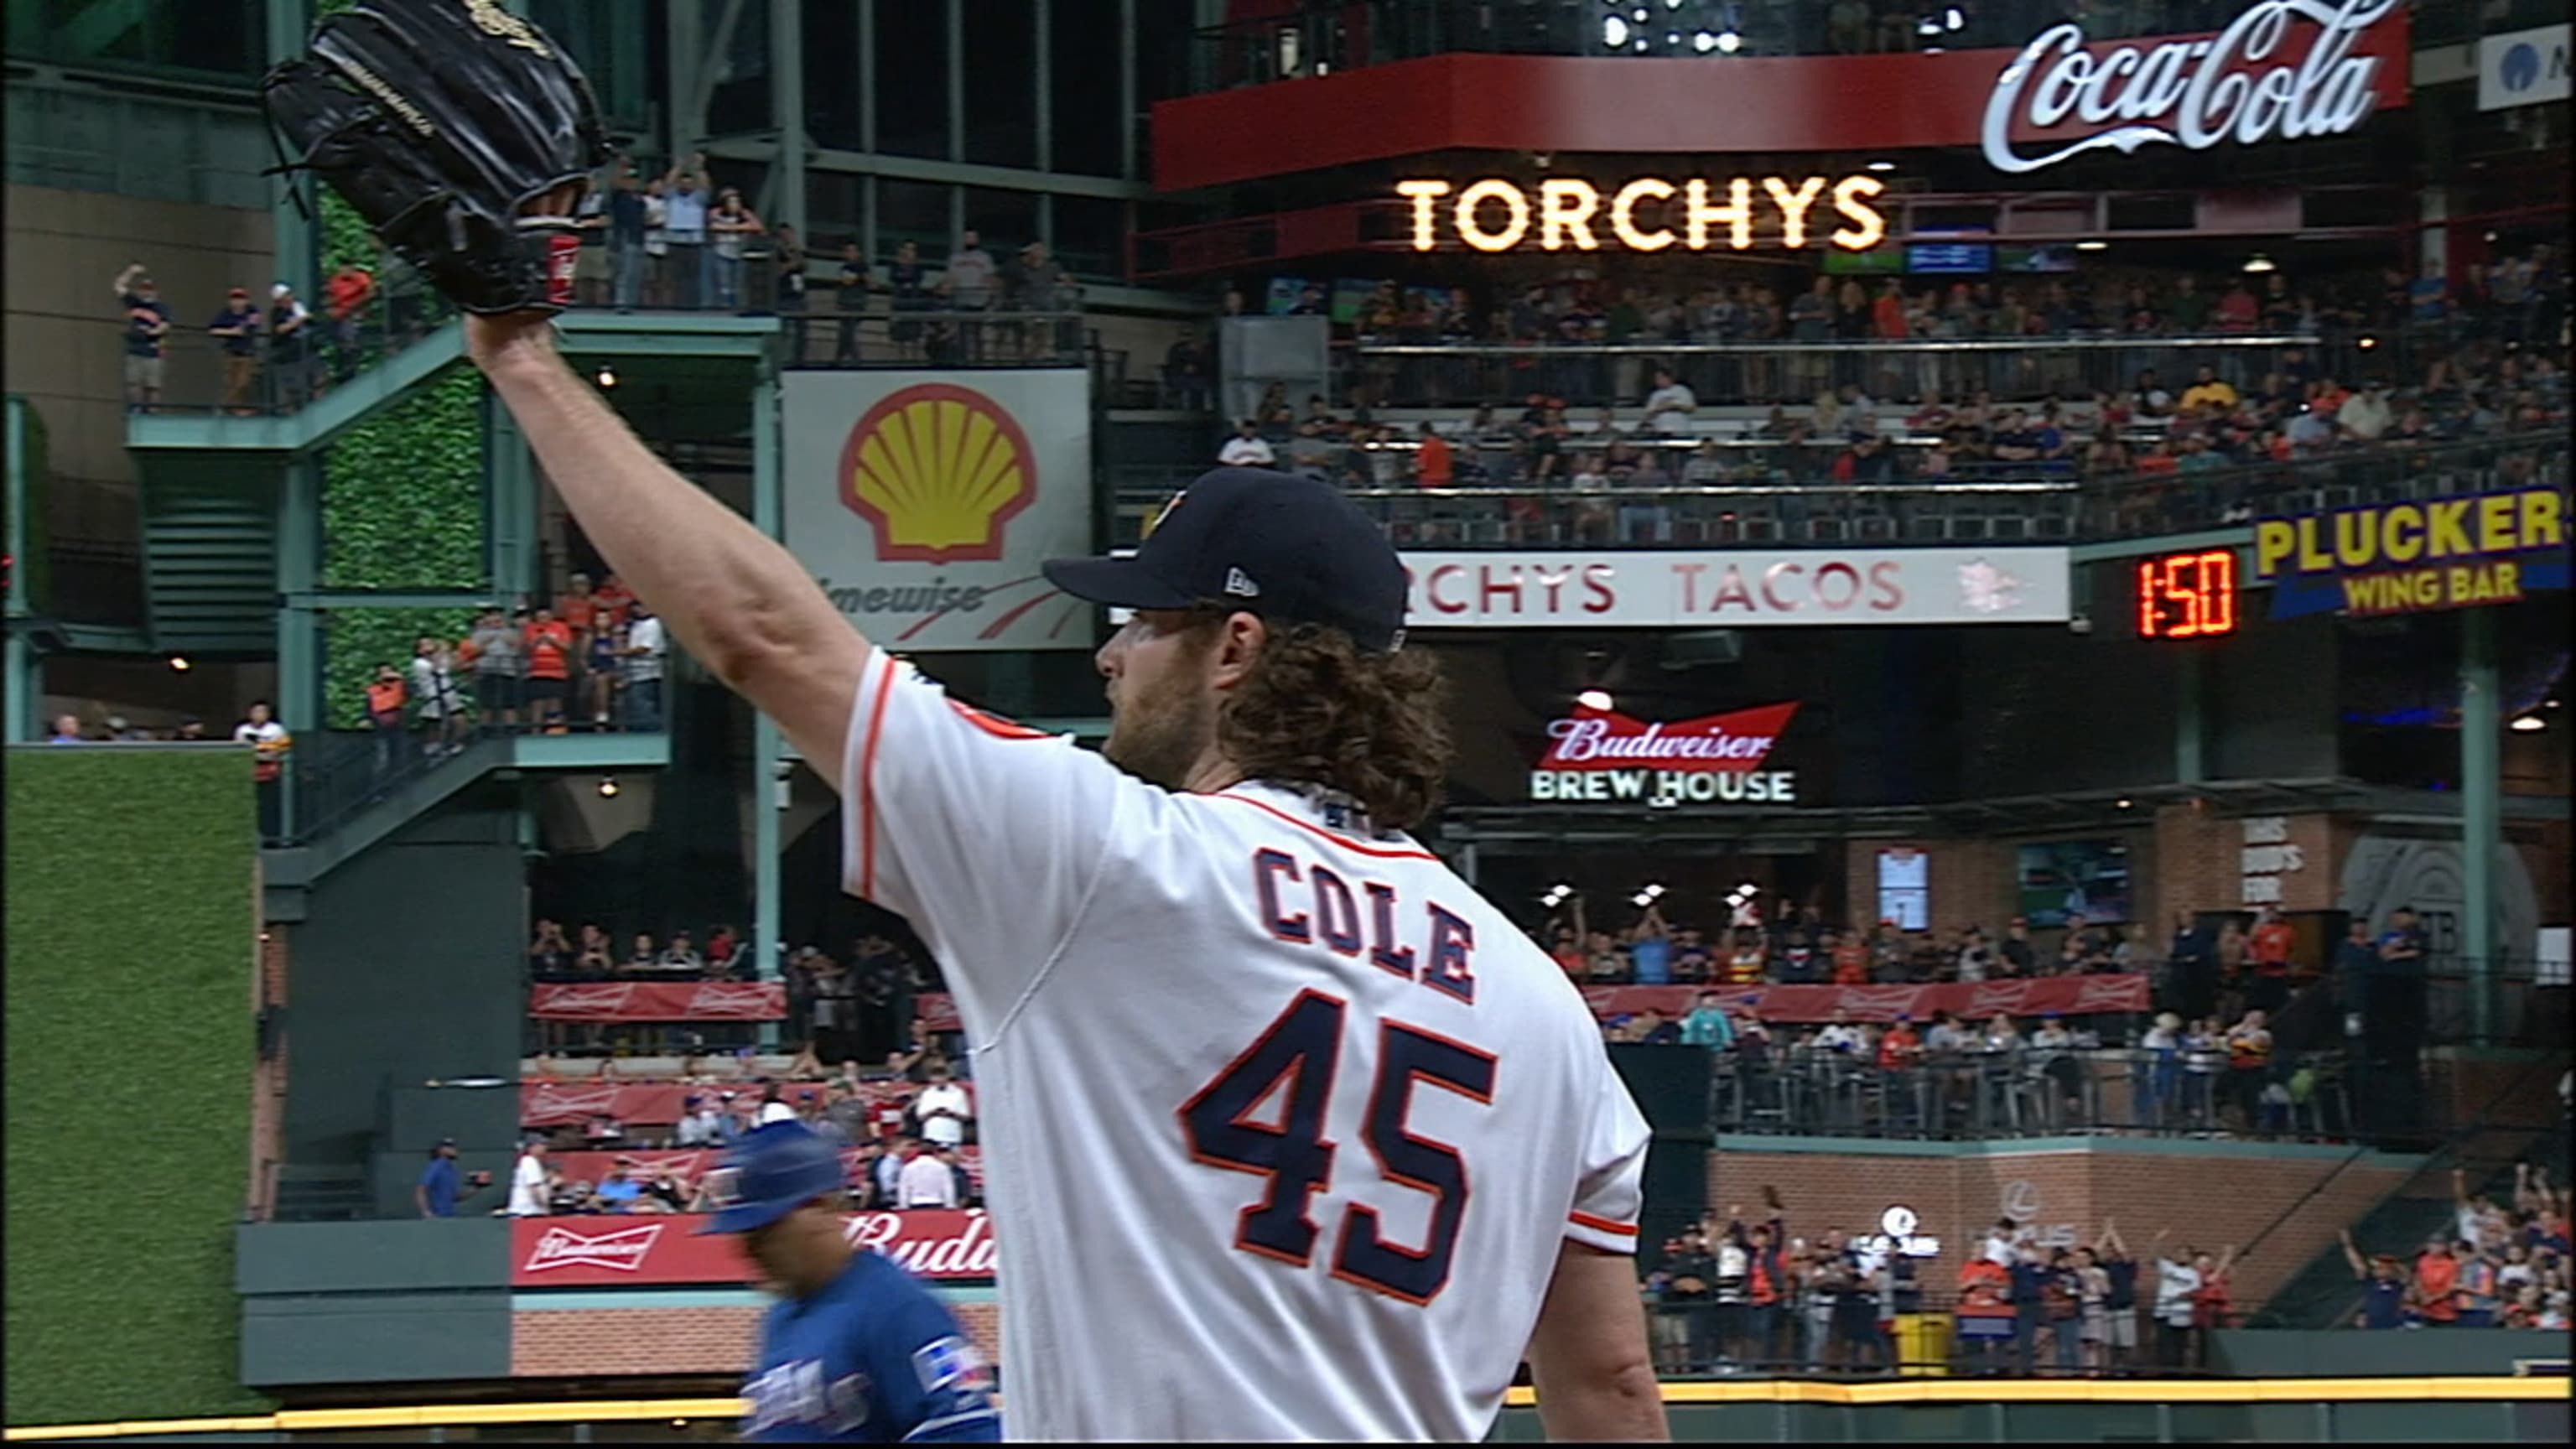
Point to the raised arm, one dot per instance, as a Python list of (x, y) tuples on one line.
[(1588, 1357), (2226, 1259), (736, 600), (2352, 1255)]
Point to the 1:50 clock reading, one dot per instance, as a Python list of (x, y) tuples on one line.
[(2187, 595)]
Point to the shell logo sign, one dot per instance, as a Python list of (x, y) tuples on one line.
[(938, 471)]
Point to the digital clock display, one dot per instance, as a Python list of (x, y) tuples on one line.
[(2187, 595)]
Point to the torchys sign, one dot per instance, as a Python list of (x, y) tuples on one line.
[(2281, 70), (1603, 755)]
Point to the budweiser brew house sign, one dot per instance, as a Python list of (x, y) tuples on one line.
[(2282, 70), (1605, 756)]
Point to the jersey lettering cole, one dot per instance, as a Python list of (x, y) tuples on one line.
[(1284, 1125)]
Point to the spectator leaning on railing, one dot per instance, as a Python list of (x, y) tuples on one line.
[(238, 325), (147, 332)]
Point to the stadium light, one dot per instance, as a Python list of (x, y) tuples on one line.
[(1614, 31), (179, 664), (2092, 246), (1704, 42), (1729, 41), (2259, 263), (1594, 699), (2528, 724), (608, 787), (1881, 166), (607, 375)]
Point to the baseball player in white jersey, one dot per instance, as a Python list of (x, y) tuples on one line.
[(1289, 1135)]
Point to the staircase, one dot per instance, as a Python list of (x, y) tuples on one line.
[(326, 1193), (210, 552)]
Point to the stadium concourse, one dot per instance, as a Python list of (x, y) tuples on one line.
[(2012, 648)]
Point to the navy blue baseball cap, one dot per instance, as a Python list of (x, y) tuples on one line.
[(1290, 549), (770, 1173)]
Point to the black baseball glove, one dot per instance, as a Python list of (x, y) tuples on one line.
[(448, 125)]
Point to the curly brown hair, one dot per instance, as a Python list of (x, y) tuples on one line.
[(1316, 709)]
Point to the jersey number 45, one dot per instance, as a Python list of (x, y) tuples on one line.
[(1302, 1048)]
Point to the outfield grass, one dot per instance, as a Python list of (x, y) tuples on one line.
[(132, 937)]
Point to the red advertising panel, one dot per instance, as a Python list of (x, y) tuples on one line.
[(562, 1104), (1604, 739), (2066, 995), (947, 1245), (659, 1001), (2275, 73)]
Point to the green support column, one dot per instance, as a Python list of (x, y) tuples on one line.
[(510, 532), (2481, 812), (290, 24), (787, 98), (299, 624), (25, 680), (767, 504), (2190, 765)]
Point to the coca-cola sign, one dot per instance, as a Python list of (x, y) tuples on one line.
[(2252, 82), (1602, 755)]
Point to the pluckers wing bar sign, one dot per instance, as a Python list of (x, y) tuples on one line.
[(2281, 70), (2407, 558), (1603, 755)]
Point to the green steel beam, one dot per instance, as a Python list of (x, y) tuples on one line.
[(2481, 815), (25, 680), (944, 173), (768, 509), (293, 223), (299, 624), (2191, 731), (2240, 537), (787, 110), (342, 407)]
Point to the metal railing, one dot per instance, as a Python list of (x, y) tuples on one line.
[(268, 373), (1779, 507), (1784, 371), (948, 338), (1323, 38), (2029, 1092)]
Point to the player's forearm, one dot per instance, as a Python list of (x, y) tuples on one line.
[(1623, 1406)]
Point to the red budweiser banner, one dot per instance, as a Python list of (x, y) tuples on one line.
[(2066, 995), (558, 1104), (939, 1009), (687, 1164), (1603, 739), (949, 1245), (659, 1001)]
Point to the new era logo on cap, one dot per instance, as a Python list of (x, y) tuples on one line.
[(1240, 585)]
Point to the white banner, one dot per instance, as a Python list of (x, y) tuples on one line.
[(1711, 589), (923, 502), (2522, 67)]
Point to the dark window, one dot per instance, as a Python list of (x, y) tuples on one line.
[(1091, 237), (912, 79), (740, 102), (1162, 41), (1082, 119), (913, 211), (836, 210), (1007, 219), (1001, 100), (832, 75)]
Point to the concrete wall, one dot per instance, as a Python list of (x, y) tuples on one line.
[(65, 344), (2208, 1194)]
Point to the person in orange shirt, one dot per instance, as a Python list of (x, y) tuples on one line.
[(1744, 965), (2437, 1282), (1851, 959), (1435, 466), (580, 611), (385, 695), (549, 648), (345, 296), (2269, 954), (1985, 1312), (1900, 1047)]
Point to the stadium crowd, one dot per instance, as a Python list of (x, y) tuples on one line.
[(2499, 1267)]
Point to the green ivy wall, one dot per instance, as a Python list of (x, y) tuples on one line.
[(402, 508)]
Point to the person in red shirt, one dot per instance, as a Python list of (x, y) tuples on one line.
[(1434, 466), (2269, 954), (1900, 1047), (616, 599), (549, 647)]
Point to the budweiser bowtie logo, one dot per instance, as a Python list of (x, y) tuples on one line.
[(599, 999), (967, 1252), (624, 1250), (550, 1101), (729, 999), (1722, 743), (2245, 84)]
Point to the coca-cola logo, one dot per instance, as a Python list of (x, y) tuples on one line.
[(1596, 739), (2192, 93), (623, 1251), (966, 1253), (731, 999)]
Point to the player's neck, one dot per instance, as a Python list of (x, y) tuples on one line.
[(1212, 773)]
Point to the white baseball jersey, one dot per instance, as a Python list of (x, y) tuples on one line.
[(1284, 1126)]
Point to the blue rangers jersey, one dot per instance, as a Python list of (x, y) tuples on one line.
[(872, 1359)]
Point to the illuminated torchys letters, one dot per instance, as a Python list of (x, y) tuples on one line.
[(1647, 214)]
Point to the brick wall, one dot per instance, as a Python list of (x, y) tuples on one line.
[(2207, 1200), (659, 1342)]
